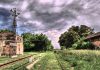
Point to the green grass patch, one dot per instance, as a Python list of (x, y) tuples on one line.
[(48, 62), (79, 59)]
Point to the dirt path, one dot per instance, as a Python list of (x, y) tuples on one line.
[(35, 60)]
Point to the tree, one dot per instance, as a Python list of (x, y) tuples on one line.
[(27, 41), (41, 42), (82, 30), (85, 31), (68, 38), (36, 42), (74, 34)]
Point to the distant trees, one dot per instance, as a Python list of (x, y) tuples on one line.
[(36, 42), (74, 35), (5, 30)]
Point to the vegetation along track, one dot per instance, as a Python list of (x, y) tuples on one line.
[(15, 61), (48, 62), (19, 63), (59, 63)]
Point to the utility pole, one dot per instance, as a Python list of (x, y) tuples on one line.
[(14, 13)]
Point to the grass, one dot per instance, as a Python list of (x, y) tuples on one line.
[(19, 65), (48, 62), (79, 59), (4, 59), (60, 60)]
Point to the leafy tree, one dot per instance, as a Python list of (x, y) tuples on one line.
[(85, 31), (41, 42), (74, 34), (74, 28), (27, 41), (68, 38), (36, 42), (82, 30)]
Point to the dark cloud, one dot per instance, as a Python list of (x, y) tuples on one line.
[(53, 17), (6, 1), (45, 13), (4, 12), (42, 12), (5, 18)]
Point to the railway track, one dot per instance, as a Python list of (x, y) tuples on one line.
[(18, 64), (59, 63), (13, 61)]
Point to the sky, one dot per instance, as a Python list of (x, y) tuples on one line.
[(51, 17)]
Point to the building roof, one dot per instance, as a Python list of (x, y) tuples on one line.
[(93, 35)]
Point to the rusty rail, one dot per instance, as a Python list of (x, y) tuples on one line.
[(62, 68), (1, 65)]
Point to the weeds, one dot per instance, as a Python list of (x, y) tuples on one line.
[(80, 59)]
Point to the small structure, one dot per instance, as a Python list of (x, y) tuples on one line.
[(10, 42), (8, 45), (95, 39)]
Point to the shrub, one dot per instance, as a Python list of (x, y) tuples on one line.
[(81, 44)]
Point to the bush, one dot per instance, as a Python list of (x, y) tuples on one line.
[(81, 44)]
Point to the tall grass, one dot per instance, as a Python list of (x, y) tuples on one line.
[(79, 59), (48, 62)]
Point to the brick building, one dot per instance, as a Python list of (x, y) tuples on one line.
[(10, 44), (95, 39)]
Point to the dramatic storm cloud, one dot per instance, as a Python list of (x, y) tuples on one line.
[(51, 17)]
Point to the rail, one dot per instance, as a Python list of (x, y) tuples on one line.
[(1, 65), (62, 68)]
